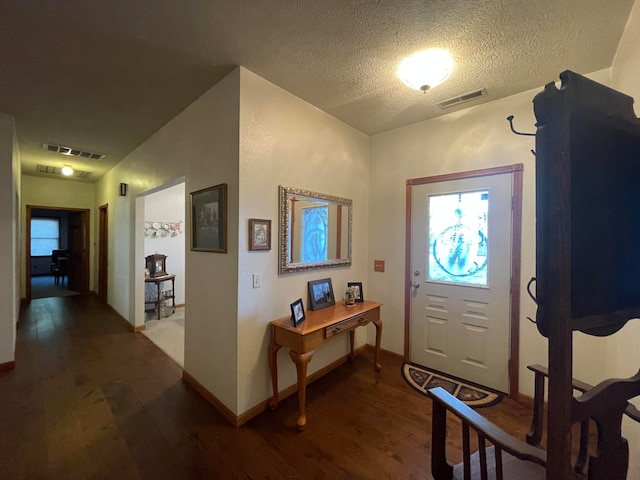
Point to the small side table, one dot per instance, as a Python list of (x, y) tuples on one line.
[(161, 298)]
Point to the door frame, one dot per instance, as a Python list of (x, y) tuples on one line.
[(103, 252), (27, 245), (516, 170)]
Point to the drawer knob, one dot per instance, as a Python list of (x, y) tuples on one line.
[(361, 319), (336, 330)]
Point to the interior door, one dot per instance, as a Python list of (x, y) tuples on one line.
[(460, 278), (78, 246)]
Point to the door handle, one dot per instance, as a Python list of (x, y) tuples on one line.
[(416, 285)]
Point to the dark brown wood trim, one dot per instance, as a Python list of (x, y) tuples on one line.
[(5, 367), (407, 272), (516, 259), (516, 249), (484, 172)]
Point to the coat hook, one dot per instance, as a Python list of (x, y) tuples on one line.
[(510, 119)]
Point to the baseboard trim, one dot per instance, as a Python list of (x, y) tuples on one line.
[(238, 420), (123, 320), (5, 367), (209, 397)]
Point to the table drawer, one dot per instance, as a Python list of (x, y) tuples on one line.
[(350, 323)]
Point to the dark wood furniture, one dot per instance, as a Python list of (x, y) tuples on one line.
[(587, 172), (319, 327), (156, 265), (160, 296)]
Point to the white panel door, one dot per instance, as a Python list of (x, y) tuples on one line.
[(461, 267)]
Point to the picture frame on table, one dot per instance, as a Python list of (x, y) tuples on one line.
[(357, 286), (297, 312), (259, 234), (321, 294), (209, 219)]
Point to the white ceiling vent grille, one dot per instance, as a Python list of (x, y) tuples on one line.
[(467, 97), (48, 169), (74, 152)]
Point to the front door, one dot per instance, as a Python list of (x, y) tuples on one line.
[(460, 278)]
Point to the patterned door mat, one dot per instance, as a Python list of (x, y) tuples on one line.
[(422, 379)]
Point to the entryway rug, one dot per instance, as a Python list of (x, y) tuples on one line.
[(422, 379)]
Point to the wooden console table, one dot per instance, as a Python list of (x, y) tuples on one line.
[(159, 297), (319, 327)]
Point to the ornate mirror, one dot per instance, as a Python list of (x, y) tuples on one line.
[(315, 230)]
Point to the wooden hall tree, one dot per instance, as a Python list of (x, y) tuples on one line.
[(587, 258), (587, 267)]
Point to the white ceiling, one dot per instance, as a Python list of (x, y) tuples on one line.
[(103, 76)]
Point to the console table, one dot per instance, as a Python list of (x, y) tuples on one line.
[(161, 298), (319, 327)]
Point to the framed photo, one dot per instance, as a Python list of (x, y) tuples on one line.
[(297, 312), (259, 234), (321, 294), (357, 286), (209, 219)]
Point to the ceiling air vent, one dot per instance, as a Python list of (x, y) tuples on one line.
[(74, 152), (452, 102), (58, 171)]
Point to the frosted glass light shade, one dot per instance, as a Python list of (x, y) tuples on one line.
[(67, 170), (427, 69)]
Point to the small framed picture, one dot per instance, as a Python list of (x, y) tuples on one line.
[(259, 234), (297, 312), (321, 294), (357, 288), (209, 219)]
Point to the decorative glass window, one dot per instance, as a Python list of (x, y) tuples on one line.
[(315, 224), (45, 236), (458, 240)]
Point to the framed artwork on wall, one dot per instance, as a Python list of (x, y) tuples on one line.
[(259, 234), (209, 219)]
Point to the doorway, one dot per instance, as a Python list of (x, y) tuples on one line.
[(462, 267), (65, 272)]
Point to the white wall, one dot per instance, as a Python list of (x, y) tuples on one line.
[(475, 138), (51, 192), (9, 236), (286, 141), (621, 349), (201, 146), (168, 206)]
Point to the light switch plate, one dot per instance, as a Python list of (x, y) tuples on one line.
[(257, 280)]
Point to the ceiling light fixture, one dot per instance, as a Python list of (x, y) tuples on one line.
[(426, 70), (67, 170)]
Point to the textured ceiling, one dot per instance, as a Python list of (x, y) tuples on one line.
[(103, 76)]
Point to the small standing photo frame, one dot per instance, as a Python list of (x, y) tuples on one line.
[(297, 312), (321, 294), (357, 288), (259, 234)]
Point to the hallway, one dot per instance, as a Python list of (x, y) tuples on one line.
[(88, 399)]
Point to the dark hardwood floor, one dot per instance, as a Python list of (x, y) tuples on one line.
[(90, 400)]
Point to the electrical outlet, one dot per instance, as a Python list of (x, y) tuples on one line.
[(257, 280), (378, 265)]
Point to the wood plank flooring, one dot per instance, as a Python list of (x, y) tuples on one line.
[(90, 400)]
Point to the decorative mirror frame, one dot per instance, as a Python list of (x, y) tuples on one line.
[(284, 265)]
